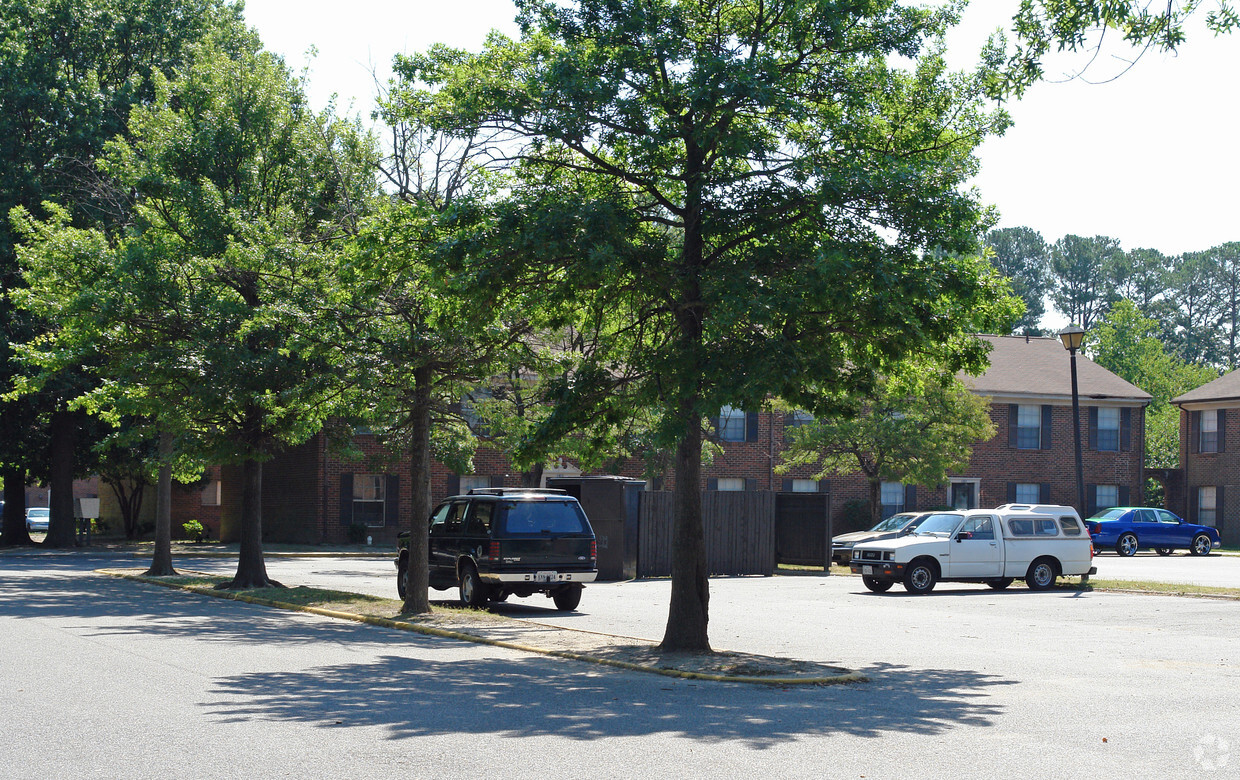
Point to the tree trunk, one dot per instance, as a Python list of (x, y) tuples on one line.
[(251, 570), (14, 523), (417, 592), (688, 615), (161, 563), (876, 497), (60, 529), (533, 477)]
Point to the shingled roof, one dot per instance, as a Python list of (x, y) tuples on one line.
[(1225, 388), (1035, 366)]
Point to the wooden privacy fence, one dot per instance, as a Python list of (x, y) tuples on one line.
[(739, 529)]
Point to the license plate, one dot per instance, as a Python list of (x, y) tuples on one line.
[(867, 569), (545, 576)]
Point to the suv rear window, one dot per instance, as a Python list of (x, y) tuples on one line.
[(538, 518)]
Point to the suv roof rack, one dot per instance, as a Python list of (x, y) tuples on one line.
[(514, 491)]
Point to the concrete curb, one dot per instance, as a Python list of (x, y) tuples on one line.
[(851, 677)]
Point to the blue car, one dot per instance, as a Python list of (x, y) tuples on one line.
[(1131, 528)]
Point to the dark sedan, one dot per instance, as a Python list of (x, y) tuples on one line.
[(1131, 528)]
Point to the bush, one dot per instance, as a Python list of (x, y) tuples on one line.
[(855, 516), (357, 533), (195, 532)]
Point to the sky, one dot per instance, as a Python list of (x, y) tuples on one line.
[(1148, 158)]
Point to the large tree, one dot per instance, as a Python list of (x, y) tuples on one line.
[(1082, 277), (206, 311), (917, 426), (72, 70), (786, 167), (1021, 255)]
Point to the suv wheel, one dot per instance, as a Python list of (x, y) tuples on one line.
[(567, 599), (473, 592), (402, 578)]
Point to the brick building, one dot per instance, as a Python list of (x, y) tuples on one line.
[(1201, 491), (312, 496)]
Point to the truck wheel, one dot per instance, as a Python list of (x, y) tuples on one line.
[(1042, 574), (875, 585), (473, 592), (567, 599), (999, 584), (1201, 545), (920, 577), (402, 578), (1127, 545)]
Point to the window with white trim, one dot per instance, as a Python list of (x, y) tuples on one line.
[(804, 486), (1108, 428), (1028, 427), (730, 484), (799, 417), (1028, 493), (1209, 431), (731, 424), (471, 481), (1107, 496), (368, 499), (1207, 504), (891, 496)]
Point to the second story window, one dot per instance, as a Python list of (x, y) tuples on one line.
[(1108, 429), (1209, 431), (731, 424), (1028, 427)]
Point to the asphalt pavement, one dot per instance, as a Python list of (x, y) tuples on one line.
[(965, 682)]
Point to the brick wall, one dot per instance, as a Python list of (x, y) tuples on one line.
[(1218, 469)]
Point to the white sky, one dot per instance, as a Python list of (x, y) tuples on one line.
[(1149, 158)]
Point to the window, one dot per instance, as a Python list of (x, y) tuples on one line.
[(1107, 496), (979, 527), (799, 417), (730, 484), (368, 499), (479, 522), (211, 493), (471, 481), (891, 496), (471, 405), (731, 424), (1028, 493), (804, 486), (1070, 526), (1108, 429), (1207, 502), (1209, 431), (1028, 427), (1166, 517)]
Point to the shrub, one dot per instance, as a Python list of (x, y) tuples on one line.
[(357, 533), (195, 532)]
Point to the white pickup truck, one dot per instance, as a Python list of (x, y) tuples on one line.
[(996, 546)]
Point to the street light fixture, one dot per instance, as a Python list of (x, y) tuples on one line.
[(1072, 336)]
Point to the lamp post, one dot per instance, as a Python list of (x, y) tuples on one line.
[(1072, 336)]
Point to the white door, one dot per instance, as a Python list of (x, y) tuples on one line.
[(974, 550)]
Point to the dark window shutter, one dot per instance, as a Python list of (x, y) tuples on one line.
[(1091, 500), (1093, 427), (1193, 495), (1194, 433), (787, 486), (751, 484), (1046, 427), (1218, 503), (1013, 421), (1011, 492), (1044, 493), (910, 498), (1222, 437), (712, 484), (454, 484), (391, 499), (1123, 495), (824, 486), (346, 498), (1125, 429), (751, 426)]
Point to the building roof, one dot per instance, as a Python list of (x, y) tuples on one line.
[(1225, 388), (1041, 367)]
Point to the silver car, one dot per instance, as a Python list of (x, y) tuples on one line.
[(896, 525), (37, 517)]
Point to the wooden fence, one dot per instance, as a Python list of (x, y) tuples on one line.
[(739, 530)]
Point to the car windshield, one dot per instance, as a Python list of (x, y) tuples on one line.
[(935, 525), (537, 518), (893, 523), (39, 512), (1110, 514)]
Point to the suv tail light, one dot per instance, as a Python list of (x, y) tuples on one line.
[(593, 550), (493, 552)]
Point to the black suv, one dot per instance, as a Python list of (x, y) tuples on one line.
[(497, 542)]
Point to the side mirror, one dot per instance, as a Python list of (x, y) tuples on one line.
[(960, 537)]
